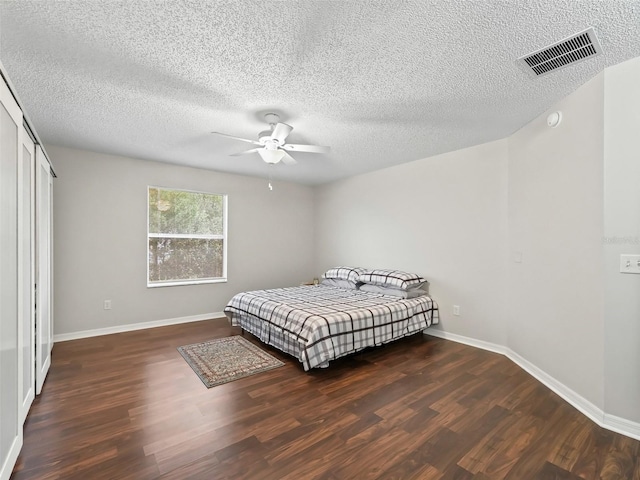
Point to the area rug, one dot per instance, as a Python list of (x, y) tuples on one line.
[(226, 359)]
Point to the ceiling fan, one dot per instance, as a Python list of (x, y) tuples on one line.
[(272, 146)]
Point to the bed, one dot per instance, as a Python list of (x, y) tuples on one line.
[(319, 323)]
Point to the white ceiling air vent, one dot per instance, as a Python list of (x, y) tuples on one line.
[(573, 49)]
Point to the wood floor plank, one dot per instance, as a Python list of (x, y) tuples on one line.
[(321, 430), (569, 444), (127, 406)]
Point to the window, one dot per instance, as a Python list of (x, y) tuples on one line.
[(187, 233)]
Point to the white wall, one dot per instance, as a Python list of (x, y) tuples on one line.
[(555, 301), (100, 247), (525, 234), (622, 235), (443, 217)]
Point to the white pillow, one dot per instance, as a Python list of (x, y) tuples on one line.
[(394, 292), (339, 282)]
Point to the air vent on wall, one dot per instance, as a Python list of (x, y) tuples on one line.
[(574, 49)]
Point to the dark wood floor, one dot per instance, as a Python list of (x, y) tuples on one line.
[(127, 406)]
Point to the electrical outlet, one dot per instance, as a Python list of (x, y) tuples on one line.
[(107, 304), (630, 263), (456, 310)]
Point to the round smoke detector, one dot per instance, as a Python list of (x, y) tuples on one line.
[(554, 119)]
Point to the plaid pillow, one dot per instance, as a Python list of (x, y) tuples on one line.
[(392, 278), (344, 273)]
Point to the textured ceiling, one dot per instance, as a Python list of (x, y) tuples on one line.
[(380, 82)]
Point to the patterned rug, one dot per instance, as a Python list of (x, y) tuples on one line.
[(226, 359)]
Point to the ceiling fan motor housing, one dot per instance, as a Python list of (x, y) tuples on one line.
[(264, 137)]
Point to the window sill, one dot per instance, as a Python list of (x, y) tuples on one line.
[(187, 282)]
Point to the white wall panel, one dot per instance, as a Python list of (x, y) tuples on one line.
[(555, 223), (443, 217), (100, 213), (622, 236)]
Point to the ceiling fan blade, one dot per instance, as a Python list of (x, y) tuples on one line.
[(288, 159), (281, 131), (305, 148), (253, 150), (238, 138)]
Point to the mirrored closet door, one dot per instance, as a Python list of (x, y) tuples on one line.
[(44, 251), (10, 332), (26, 271)]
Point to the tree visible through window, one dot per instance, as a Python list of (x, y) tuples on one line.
[(187, 237)]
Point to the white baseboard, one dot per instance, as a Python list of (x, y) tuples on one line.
[(472, 342), (622, 425), (63, 337), (577, 401), (12, 456), (584, 406)]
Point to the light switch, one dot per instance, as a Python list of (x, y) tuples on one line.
[(630, 263)]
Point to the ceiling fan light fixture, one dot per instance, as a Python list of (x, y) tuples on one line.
[(271, 156)]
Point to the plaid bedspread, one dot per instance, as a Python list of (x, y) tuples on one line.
[(318, 324)]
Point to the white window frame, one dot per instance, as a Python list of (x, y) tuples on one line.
[(224, 237)]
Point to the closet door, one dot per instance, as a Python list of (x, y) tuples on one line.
[(26, 272), (44, 315), (10, 332)]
